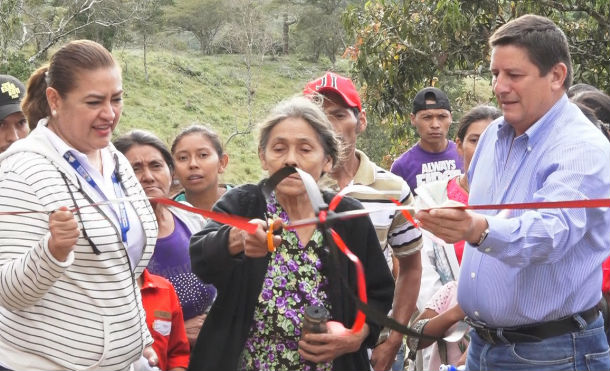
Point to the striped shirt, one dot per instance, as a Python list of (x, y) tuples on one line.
[(86, 312), (538, 265), (392, 228)]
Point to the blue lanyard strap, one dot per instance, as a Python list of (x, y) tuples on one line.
[(123, 219)]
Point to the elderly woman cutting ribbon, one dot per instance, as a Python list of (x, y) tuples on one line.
[(257, 317)]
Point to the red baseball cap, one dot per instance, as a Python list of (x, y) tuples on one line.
[(338, 84)]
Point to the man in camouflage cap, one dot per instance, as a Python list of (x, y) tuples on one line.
[(13, 125)]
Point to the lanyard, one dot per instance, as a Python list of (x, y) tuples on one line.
[(123, 219)]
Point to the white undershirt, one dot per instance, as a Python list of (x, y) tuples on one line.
[(136, 238)]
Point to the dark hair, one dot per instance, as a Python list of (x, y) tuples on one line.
[(597, 101), (144, 138), (60, 74), (588, 112), (204, 131), (475, 114), (580, 88), (599, 104), (545, 43), (301, 107)]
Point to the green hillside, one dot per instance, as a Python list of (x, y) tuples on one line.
[(185, 88)]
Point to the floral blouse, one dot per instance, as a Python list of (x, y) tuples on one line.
[(293, 281)]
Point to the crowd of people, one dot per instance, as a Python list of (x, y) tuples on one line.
[(96, 273)]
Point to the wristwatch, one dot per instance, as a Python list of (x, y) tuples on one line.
[(482, 238)]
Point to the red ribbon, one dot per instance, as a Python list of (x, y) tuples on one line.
[(405, 213), (232, 220), (574, 204), (244, 223), (360, 277)]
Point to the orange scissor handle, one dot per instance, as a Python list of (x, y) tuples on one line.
[(272, 227)]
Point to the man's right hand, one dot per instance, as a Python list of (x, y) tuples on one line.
[(64, 233), (453, 225)]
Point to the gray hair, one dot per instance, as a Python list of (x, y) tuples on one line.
[(301, 107)]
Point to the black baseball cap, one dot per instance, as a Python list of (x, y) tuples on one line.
[(11, 93), (438, 96)]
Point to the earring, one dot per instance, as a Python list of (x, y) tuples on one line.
[(53, 113)]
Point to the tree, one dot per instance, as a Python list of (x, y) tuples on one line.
[(319, 31), (286, 32), (250, 34), (47, 23), (107, 19), (203, 18), (10, 24), (402, 46), (147, 22)]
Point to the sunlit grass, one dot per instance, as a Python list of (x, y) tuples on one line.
[(184, 88)]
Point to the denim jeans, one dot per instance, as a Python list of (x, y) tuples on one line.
[(585, 350), (399, 363)]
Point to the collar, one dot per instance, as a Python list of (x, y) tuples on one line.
[(365, 174), (62, 147), (538, 130), (151, 281)]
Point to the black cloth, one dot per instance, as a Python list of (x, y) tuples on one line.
[(238, 280)]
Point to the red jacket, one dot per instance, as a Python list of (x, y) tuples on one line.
[(165, 321)]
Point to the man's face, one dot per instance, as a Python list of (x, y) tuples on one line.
[(432, 125), (343, 118), (523, 95), (12, 128)]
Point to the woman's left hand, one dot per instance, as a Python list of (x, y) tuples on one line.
[(328, 346), (151, 356), (192, 327)]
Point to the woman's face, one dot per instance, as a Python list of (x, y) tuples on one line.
[(87, 115), (293, 142), (466, 148), (197, 163), (151, 169)]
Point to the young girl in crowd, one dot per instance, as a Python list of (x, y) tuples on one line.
[(154, 166), (199, 159)]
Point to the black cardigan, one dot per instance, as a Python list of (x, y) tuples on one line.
[(238, 280)]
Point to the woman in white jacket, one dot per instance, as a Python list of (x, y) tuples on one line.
[(68, 293)]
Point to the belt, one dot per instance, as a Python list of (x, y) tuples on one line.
[(535, 332)]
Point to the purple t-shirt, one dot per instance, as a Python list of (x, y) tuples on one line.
[(418, 167), (171, 260)]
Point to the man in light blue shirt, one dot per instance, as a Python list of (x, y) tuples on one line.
[(531, 279)]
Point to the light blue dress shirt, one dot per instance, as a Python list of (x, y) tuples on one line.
[(538, 265)]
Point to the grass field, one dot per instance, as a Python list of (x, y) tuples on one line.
[(185, 88)]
